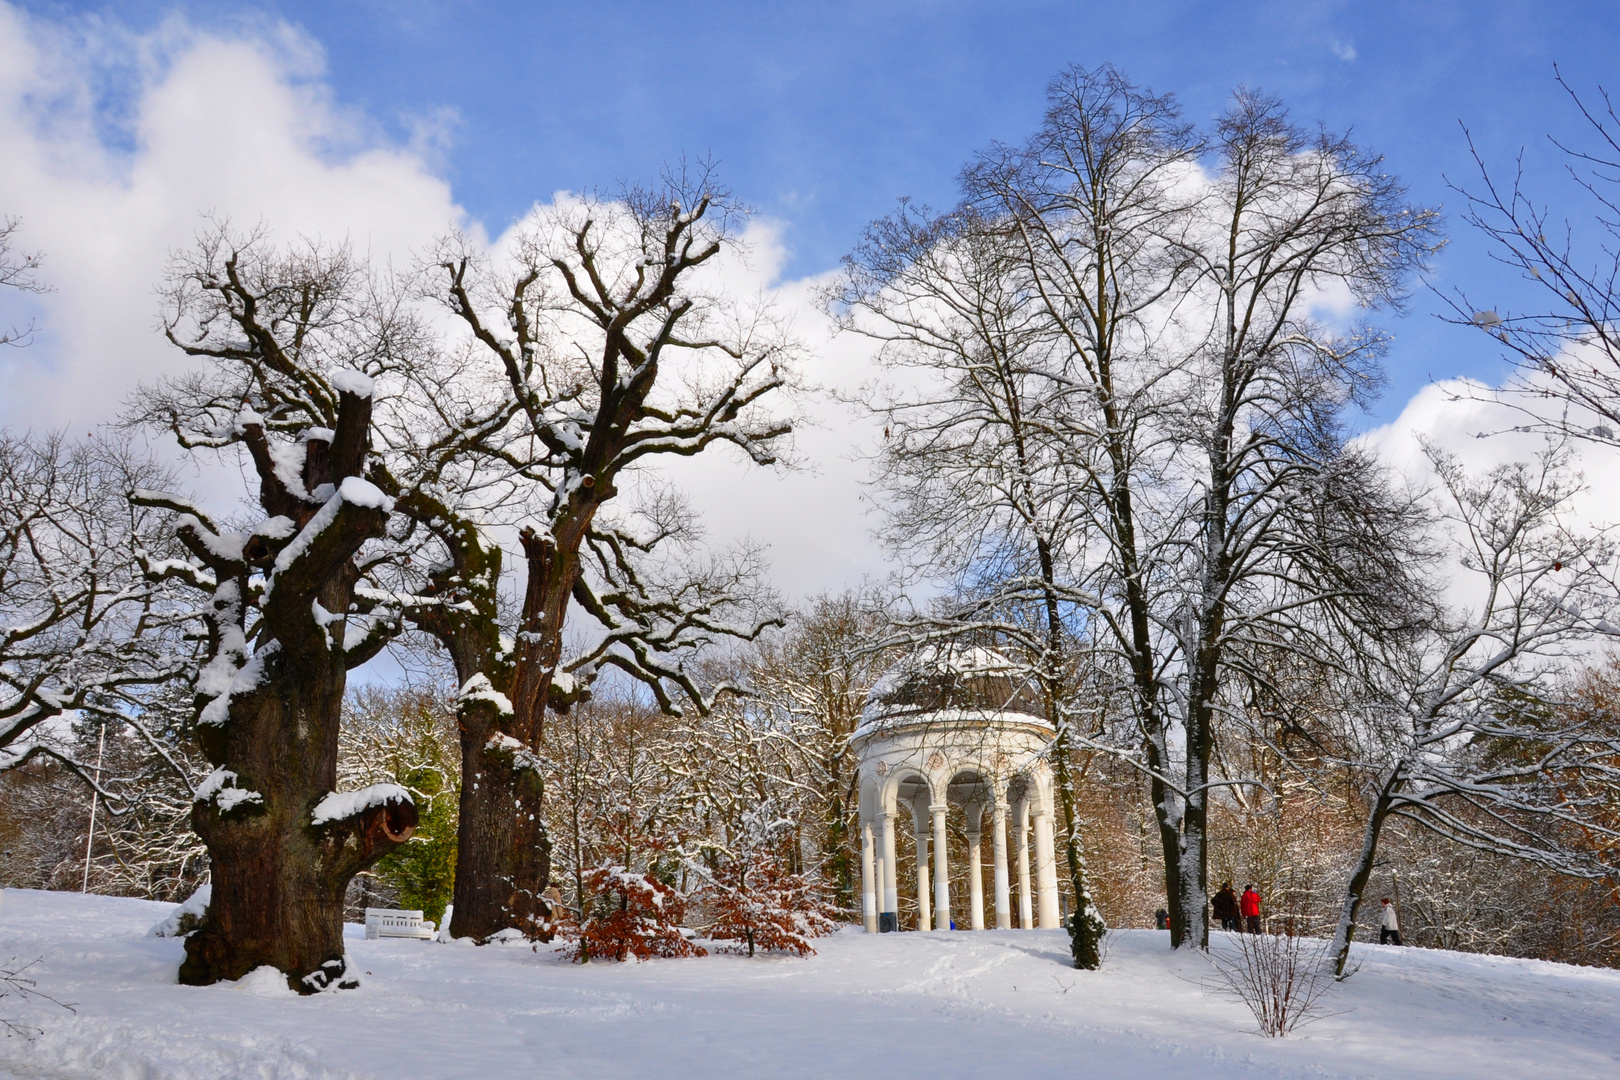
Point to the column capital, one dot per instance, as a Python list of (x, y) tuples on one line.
[(938, 808)]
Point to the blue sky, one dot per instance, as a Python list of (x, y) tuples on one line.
[(823, 114), (385, 123)]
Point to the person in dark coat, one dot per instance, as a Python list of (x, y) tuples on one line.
[(1225, 907), (1249, 905)]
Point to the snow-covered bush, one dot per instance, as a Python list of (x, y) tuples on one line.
[(631, 915), (760, 905)]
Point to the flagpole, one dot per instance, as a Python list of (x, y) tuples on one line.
[(95, 793)]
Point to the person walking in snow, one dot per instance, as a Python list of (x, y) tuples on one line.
[(1249, 905), (1391, 928), (1225, 907)]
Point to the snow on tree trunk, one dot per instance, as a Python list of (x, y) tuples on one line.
[(284, 624)]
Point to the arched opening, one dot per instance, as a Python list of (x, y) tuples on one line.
[(914, 825)]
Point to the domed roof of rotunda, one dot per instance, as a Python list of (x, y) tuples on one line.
[(951, 679)]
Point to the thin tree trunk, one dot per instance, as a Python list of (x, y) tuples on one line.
[(1357, 886), (1085, 928)]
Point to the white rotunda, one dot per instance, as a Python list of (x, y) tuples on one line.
[(961, 725)]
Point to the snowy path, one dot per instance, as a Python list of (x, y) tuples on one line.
[(934, 1006)]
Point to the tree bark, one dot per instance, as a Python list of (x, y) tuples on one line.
[(279, 874), (278, 880), (1357, 886), (585, 436), (503, 858)]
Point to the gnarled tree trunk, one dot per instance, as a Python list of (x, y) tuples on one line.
[(278, 877), (283, 844)]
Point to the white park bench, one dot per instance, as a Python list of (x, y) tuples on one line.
[(386, 922)]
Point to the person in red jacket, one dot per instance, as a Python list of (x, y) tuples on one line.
[(1249, 904)]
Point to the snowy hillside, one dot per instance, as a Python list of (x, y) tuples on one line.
[(935, 1006)]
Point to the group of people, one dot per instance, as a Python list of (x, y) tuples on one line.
[(1242, 914), (1236, 912)]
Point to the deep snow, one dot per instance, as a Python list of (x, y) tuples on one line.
[(930, 1006)]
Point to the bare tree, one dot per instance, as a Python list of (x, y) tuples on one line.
[(613, 345), (284, 337), (141, 843), (977, 459), (18, 270), (1215, 462), (811, 681), (83, 630), (1459, 731), (1133, 310), (1567, 344)]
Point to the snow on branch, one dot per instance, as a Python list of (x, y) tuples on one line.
[(342, 806), (479, 688)]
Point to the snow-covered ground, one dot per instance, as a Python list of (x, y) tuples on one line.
[(929, 1006)]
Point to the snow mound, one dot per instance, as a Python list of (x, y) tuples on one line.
[(185, 917), (364, 493), (350, 381), (479, 688), (263, 981), (338, 805), (220, 787)]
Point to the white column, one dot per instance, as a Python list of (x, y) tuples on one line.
[(869, 885), (1021, 844), (975, 818), (1045, 870), (919, 822), (998, 851), (877, 875), (891, 892), (942, 872)]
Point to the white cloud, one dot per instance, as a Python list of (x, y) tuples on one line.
[(214, 124), (1465, 418), (1344, 50), (112, 147), (115, 145)]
